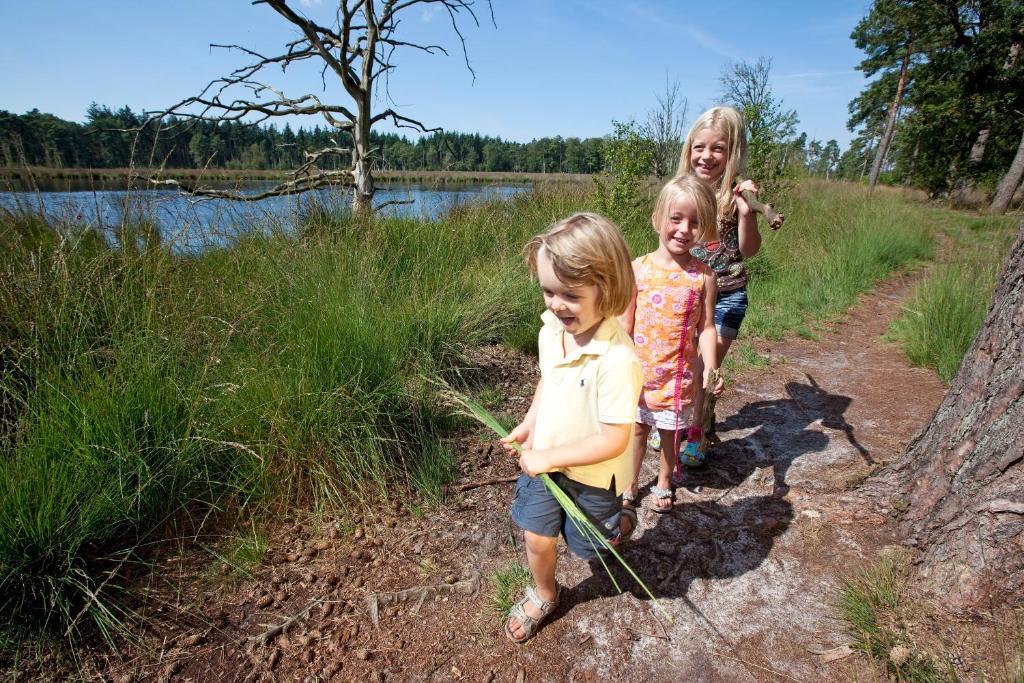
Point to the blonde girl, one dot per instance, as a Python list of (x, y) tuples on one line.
[(579, 424), (669, 319), (715, 151)]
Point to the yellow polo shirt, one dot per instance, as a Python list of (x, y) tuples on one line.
[(598, 383)]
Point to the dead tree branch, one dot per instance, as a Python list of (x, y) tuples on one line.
[(357, 50)]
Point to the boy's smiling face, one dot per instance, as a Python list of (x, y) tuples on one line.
[(575, 306)]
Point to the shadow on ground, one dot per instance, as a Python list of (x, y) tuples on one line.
[(728, 514)]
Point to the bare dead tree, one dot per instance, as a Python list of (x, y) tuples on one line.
[(665, 128), (355, 51)]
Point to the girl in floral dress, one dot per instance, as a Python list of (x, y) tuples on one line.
[(671, 322)]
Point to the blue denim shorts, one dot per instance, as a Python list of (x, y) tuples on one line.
[(535, 509), (730, 311)]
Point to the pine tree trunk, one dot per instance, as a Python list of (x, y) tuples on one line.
[(962, 478), (1010, 181), (890, 122), (965, 184)]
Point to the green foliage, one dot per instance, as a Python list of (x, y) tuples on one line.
[(744, 356), (39, 139), (431, 469), (136, 384), (945, 311), (509, 584), (769, 126), (620, 193), (963, 78), (237, 555)]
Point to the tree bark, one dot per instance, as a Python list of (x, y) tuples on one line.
[(890, 122), (962, 478), (1010, 181)]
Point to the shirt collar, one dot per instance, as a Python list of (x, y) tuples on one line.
[(597, 346)]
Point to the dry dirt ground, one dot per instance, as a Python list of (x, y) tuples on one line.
[(748, 563)]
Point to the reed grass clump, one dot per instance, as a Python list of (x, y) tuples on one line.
[(944, 312), (880, 618)]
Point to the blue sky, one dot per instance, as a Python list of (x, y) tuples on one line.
[(552, 67)]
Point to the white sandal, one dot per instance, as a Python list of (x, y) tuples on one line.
[(527, 624), (661, 494)]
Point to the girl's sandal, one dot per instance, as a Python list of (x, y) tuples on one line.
[(527, 624), (659, 495)]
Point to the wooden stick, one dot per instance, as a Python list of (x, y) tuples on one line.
[(487, 482), (774, 218)]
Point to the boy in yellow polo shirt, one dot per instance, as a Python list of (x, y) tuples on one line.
[(579, 425)]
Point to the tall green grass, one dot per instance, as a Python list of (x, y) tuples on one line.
[(839, 240), (945, 311), (878, 612)]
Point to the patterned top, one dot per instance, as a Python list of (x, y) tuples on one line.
[(668, 307), (724, 256)]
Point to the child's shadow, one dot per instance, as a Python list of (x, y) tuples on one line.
[(714, 539), (782, 436)]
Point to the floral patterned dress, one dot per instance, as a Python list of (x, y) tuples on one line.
[(668, 307)]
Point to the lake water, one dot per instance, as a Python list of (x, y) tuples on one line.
[(192, 225)]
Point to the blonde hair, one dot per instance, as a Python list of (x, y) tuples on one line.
[(694, 189), (729, 123), (588, 249)]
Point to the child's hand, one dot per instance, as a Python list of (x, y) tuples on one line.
[(522, 434), (534, 462), (741, 204), (719, 385)]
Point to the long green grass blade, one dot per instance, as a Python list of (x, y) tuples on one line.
[(583, 524)]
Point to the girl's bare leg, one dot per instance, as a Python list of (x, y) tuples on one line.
[(723, 347), (542, 557), (667, 462)]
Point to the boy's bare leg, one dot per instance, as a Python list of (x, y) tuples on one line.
[(542, 557), (640, 434)]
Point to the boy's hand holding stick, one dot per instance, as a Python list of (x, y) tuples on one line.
[(774, 218)]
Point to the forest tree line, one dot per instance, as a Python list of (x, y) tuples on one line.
[(945, 110), (40, 139)]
